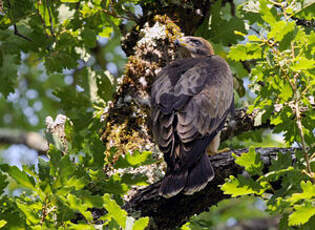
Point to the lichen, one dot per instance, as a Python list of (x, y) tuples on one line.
[(127, 118)]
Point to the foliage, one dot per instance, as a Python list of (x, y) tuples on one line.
[(227, 211), (55, 48), (66, 185), (283, 74), (280, 55), (52, 61)]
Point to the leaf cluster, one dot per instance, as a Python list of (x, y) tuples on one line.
[(283, 74)]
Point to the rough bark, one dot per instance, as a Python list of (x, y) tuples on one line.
[(171, 213), (127, 119)]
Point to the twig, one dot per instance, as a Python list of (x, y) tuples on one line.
[(51, 28), (300, 127), (17, 33)]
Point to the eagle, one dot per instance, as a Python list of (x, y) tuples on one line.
[(190, 101)]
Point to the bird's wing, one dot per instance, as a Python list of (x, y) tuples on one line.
[(188, 114)]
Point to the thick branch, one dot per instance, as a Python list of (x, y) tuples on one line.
[(30, 139), (242, 122), (170, 213)]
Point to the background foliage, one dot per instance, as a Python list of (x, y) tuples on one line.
[(65, 57)]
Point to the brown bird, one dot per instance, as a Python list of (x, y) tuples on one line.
[(190, 100)]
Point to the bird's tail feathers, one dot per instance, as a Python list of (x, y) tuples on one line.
[(173, 183), (199, 176)]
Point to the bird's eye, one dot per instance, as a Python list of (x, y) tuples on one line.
[(196, 42)]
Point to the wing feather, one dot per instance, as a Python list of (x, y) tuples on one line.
[(190, 101)]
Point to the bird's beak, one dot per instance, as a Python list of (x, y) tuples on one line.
[(180, 43), (177, 42)]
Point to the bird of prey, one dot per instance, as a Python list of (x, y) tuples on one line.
[(190, 99)]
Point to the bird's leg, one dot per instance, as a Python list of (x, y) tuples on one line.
[(214, 145)]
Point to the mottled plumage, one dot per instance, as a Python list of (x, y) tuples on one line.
[(190, 99)]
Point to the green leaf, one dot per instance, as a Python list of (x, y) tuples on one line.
[(268, 13), (302, 63), (78, 204), (105, 89), (241, 186), (301, 215), (77, 183), (307, 194), (280, 29), (286, 91), (2, 223), (114, 210), (81, 227), (106, 32), (114, 185), (243, 52), (19, 176), (250, 161), (275, 175), (134, 179), (89, 37), (8, 71), (3, 182), (134, 159), (31, 211), (307, 11), (283, 224), (211, 29), (70, 1), (141, 223)]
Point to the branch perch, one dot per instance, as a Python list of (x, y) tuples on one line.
[(171, 213)]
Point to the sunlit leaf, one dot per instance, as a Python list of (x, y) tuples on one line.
[(242, 52), (2, 223), (19, 176), (301, 215), (70, 1), (141, 223), (250, 161), (302, 63), (241, 186), (134, 159), (118, 214), (280, 29), (307, 194)]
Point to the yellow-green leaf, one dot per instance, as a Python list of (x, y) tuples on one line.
[(242, 52), (241, 186), (280, 29), (2, 223), (307, 194), (70, 1), (115, 211), (301, 63), (141, 223), (301, 215), (19, 176), (250, 161)]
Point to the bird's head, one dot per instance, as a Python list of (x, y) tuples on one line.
[(193, 47)]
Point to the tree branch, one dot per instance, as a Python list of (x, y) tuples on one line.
[(241, 122), (17, 33), (171, 213), (30, 139)]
